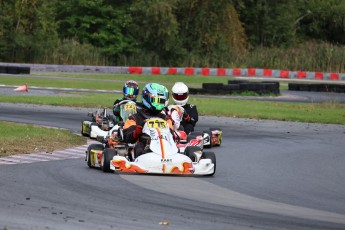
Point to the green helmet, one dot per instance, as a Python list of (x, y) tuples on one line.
[(155, 97)]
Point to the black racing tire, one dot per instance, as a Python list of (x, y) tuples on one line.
[(212, 86), (213, 128), (107, 156), (3, 69), (189, 152), (13, 69), (209, 133), (212, 157), (92, 147), (83, 133), (230, 82), (220, 140), (190, 137), (196, 133)]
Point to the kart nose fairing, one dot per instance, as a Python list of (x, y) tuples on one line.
[(152, 163)]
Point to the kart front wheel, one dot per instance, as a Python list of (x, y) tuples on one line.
[(107, 156), (189, 152), (212, 157)]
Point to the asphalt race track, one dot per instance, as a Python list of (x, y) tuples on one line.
[(270, 175)]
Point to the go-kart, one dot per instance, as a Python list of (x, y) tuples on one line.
[(99, 155), (163, 157), (211, 137), (101, 122), (184, 140)]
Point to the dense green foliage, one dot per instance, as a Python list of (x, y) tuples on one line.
[(203, 33)]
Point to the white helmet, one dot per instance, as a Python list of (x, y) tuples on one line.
[(180, 93)]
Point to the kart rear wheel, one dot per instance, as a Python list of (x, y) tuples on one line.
[(83, 131), (196, 133), (189, 152), (213, 129), (212, 157), (220, 142), (190, 137), (107, 156), (219, 138), (88, 152)]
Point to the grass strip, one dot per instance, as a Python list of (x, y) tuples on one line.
[(327, 113), (25, 138), (107, 82)]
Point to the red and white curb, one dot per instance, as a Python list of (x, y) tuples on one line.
[(71, 153)]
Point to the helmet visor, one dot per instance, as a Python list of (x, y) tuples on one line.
[(130, 91), (180, 96), (158, 102)]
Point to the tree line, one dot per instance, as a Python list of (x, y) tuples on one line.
[(292, 34)]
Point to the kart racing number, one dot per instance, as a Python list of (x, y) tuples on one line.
[(157, 123), (129, 106)]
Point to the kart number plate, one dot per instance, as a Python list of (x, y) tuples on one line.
[(129, 106), (157, 123)]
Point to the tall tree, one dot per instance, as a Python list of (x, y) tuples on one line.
[(155, 29), (103, 24), (323, 20), (269, 22), (27, 29), (210, 30)]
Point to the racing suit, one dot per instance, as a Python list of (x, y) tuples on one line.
[(190, 118), (175, 113), (132, 129)]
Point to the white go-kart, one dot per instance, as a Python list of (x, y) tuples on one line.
[(162, 155)]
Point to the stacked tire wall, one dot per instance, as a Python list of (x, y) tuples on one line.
[(14, 69), (317, 87), (237, 87)]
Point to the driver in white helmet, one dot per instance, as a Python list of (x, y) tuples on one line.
[(180, 95)]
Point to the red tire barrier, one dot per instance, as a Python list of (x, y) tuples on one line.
[(237, 72), (301, 74), (156, 70), (251, 72), (221, 72), (135, 70)]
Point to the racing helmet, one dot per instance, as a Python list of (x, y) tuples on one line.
[(180, 93), (155, 97), (131, 89)]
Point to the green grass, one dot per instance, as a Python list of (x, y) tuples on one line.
[(22, 138), (108, 81), (330, 113)]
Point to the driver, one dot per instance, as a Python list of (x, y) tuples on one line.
[(175, 113), (130, 92), (154, 98), (180, 94)]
